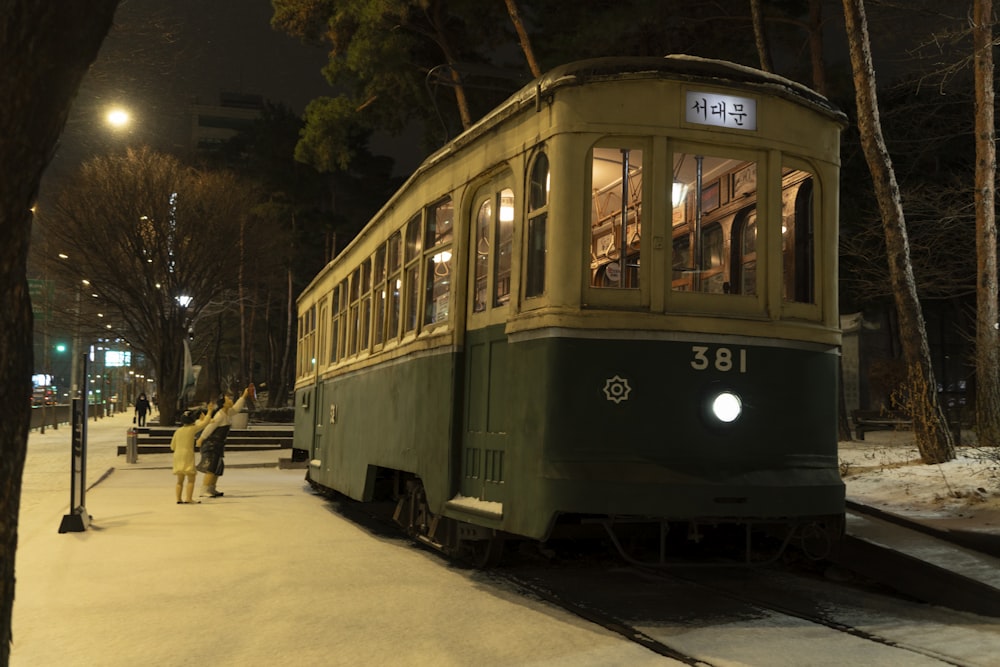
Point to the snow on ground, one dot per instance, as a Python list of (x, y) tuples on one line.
[(885, 471), (249, 580)]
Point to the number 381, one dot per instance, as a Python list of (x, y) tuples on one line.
[(722, 359)]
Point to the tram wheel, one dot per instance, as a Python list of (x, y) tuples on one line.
[(486, 553)]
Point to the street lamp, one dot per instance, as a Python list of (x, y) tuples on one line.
[(117, 117)]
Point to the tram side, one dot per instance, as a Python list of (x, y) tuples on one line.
[(486, 354)]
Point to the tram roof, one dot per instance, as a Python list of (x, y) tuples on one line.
[(675, 67)]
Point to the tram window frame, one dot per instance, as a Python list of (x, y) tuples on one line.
[(487, 303), (345, 329), (481, 263), (379, 274), (799, 213), (438, 239), (597, 290), (413, 256), (334, 324), (743, 255), (394, 285), (503, 248), (821, 286), (354, 313), (364, 326), (321, 329), (536, 233), (733, 184), (307, 342)]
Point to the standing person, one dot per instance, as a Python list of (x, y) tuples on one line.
[(141, 408), (213, 442), (182, 445)]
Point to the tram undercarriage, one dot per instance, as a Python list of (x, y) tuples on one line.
[(478, 545)]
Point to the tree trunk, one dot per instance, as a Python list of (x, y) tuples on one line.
[(241, 298), (45, 48), (441, 39), (287, 373), (522, 37), (170, 370), (816, 46), (987, 353), (920, 396), (760, 36)]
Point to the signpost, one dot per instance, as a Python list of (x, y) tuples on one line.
[(78, 519)]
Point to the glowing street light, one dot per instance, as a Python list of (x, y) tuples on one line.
[(118, 117)]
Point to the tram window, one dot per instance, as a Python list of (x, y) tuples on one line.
[(344, 326), (364, 325), (394, 285), (797, 234), (538, 202), (321, 348), (484, 219), (438, 262), (504, 245), (355, 312), (378, 296), (616, 199), (715, 207), (334, 323), (307, 357), (411, 276), (744, 277)]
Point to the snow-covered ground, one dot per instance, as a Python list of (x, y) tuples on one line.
[(885, 471), (249, 580)]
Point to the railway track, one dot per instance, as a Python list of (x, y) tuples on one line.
[(776, 615), (709, 617)]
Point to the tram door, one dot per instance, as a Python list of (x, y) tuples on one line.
[(319, 432), (486, 409)]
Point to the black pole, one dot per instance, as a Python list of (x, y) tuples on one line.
[(78, 519)]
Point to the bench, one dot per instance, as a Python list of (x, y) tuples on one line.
[(876, 420)]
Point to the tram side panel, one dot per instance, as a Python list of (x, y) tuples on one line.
[(395, 416), (620, 427)]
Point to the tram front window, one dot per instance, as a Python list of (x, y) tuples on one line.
[(714, 224), (616, 217), (797, 236)]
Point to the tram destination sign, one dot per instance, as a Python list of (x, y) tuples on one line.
[(730, 111)]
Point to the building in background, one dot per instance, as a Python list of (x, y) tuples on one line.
[(213, 125)]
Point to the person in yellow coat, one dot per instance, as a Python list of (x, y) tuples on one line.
[(182, 445)]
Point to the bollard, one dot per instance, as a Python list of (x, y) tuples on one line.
[(132, 446)]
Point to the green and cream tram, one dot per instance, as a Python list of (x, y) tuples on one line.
[(611, 301)]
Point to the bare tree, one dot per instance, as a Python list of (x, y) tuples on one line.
[(522, 37), (933, 438), (45, 48), (157, 242), (760, 36)]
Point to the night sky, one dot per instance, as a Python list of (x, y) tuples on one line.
[(159, 58)]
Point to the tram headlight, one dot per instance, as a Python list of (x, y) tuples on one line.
[(726, 407)]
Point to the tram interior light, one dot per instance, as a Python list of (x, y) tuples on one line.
[(727, 407), (678, 193), (506, 209)]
